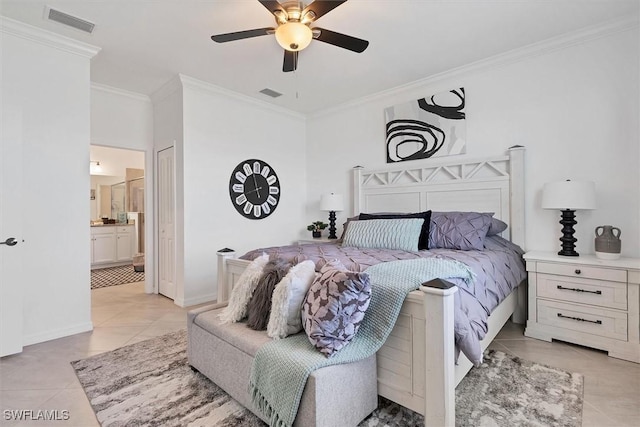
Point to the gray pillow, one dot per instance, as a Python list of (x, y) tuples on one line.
[(496, 227), (259, 307), (459, 230), (335, 306)]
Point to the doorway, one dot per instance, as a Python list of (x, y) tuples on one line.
[(117, 209)]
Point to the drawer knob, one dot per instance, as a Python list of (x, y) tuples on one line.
[(578, 271)]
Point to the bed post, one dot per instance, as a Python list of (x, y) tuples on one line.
[(223, 285), (357, 192), (440, 381), (516, 190)]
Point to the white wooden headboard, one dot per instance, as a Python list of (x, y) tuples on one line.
[(493, 184)]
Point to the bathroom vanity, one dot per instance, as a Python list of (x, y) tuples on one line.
[(112, 245)]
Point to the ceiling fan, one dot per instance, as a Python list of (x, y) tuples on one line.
[(293, 31)]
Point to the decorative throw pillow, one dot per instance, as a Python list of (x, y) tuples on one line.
[(459, 230), (496, 227), (259, 307), (345, 225), (402, 234), (423, 242), (241, 293), (288, 298), (334, 307)]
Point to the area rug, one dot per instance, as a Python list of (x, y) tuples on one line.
[(103, 277), (150, 384)]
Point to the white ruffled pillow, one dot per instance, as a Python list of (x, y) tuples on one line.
[(243, 290), (287, 300)]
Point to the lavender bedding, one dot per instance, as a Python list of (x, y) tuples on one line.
[(499, 269)]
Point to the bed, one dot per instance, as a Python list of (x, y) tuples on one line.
[(418, 376)]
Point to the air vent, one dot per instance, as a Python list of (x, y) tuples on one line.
[(271, 93), (72, 21)]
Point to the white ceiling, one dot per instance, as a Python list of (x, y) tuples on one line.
[(145, 43)]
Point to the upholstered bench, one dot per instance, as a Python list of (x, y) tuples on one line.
[(338, 395)]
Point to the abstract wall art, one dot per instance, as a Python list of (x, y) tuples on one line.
[(432, 126)]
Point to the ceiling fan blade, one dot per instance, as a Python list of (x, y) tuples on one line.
[(321, 7), (342, 40), (290, 61), (238, 35), (273, 6)]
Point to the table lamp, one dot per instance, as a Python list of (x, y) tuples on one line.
[(333, 203), (569, 196)]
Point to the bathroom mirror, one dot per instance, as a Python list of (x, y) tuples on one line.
[(101, 206), (118, 211)]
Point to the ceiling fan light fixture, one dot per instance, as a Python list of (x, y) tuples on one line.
[(281, 16), (294, 36)]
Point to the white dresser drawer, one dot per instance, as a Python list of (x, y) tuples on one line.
[(124, 229), (101, 230), (595, 321), (589, 272), (599, 293)]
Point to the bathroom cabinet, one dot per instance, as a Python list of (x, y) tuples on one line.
[(112, 245)]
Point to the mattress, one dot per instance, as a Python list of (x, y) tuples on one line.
[(498, 269)]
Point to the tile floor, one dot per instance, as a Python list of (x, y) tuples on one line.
[(42, 378)]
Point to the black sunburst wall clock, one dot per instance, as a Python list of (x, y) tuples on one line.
[(254, 189)]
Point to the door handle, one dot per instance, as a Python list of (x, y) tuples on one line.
[(11, 241)]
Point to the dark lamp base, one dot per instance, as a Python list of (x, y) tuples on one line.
[(568, 241), (568, 253), (332, 225)]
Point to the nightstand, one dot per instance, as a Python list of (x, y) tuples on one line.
[(311, 240), (585, 300)]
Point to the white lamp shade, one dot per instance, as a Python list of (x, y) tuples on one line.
[(331, 202), (569, 195)]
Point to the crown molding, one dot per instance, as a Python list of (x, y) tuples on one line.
[(172, 85), (120, 92), (553, 44), (47, 38), (192, 83)]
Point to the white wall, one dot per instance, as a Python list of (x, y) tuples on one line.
[(220, 131), (47, 80), (120, 118), (123, 119), (115, 161), (574, 109)]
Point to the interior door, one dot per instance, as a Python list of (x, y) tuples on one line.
[(11, 227), (166, 223)]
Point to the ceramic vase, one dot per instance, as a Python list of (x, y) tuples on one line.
[(607, 241)]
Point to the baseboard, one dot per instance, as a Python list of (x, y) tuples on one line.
[(195, 300), (56, 333)]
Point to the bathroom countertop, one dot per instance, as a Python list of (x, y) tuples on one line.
[(110, 225)]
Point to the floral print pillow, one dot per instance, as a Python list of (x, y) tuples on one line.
[(335, 306)]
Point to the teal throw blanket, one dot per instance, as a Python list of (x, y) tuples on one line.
[(281, 367)]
